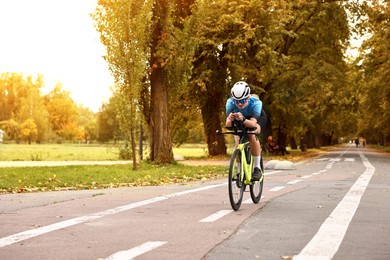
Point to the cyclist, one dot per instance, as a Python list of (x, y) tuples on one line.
[(241, 106)]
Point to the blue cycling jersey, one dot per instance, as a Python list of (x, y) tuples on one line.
[(253, 109)]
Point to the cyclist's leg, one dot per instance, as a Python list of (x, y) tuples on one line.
[(254, 144), (236, 140), (238, 162)]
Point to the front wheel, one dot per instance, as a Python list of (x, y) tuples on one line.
[(256, 188), (235, 183)]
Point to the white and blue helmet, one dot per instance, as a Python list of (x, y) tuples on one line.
[(240, 90)]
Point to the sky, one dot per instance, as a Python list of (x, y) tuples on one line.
[(56, 38)]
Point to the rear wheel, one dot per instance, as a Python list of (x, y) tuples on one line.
[(235, 184), (256, 188)]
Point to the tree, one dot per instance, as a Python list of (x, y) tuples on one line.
[(12, 128), (124, 27), (28, 130), (62, 112), (87, 122), (160, 139), (10, 86), (32, 107), (374, 116), (108, 125), (21, 99), (234, 40), (132, 32)]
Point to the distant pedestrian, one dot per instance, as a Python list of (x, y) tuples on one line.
[(357, 142)]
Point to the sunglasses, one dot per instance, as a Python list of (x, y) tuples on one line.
[(242, 101)]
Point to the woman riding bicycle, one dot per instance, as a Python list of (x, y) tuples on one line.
[(241, 106)]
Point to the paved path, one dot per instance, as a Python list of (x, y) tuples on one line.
[(205, 162), (56, 163), (4, 164), (332, 207)]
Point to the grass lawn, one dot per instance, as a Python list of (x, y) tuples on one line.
[(34, 179), (57, 152), (81, 152)]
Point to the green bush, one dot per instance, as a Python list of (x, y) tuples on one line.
[(125, 153)]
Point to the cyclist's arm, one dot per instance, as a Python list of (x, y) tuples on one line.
[(229, 111), (250, 123), (253, 120), (229, 120)]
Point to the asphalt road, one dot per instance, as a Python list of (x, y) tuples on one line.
[(332, 207)]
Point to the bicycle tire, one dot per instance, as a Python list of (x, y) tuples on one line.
[(256, 188), (235, 185)]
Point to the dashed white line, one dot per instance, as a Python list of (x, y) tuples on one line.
[(327, 240), (247, 201), (216, 216), (322, 159), (270, 173), (329, 166), (136, 251), (277, 188), (306, 176), (293, 182)]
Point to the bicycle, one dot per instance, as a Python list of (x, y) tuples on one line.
[(238, 179)]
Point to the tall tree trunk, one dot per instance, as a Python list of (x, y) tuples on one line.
[(282, 135), (211, 111), (133, 150), (317, 133), (212, 98), (293, 143), (161, 144), (140, 142), (308, 139)]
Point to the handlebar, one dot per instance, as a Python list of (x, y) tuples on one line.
[(239, 129)]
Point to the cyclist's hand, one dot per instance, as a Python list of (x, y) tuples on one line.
[(231, 117), (239, 116)]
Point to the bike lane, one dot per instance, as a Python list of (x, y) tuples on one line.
[(285, 228), (174, 225)]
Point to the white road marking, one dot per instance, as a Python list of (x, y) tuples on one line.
[(322, 159), (247, 201), (335, 159), (293, 182), (327, 240), (329, 166), (270, 173), (349, 159), (136, 251), (216, 216), (9, 240), (306, 176), (316, 173), (277, 188)]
